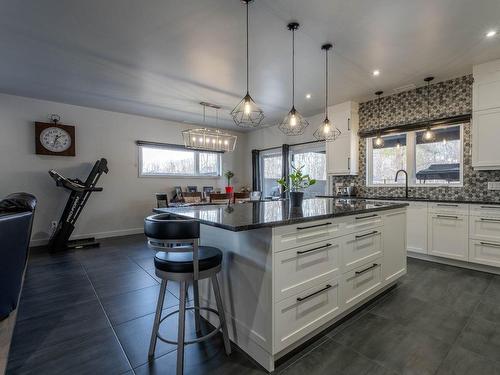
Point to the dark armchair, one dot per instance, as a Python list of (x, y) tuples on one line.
[(16, 220)]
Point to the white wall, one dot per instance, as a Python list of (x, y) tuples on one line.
[(126, 199)]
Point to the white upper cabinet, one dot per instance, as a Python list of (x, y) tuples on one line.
[(342, 154), (486, 88), (486, 116)]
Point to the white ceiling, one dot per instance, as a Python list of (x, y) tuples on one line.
[(160, 58)]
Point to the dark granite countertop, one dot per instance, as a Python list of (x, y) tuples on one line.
[(253, 215), (416, 199)]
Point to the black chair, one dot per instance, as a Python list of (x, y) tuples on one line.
[(16, 220), (181, 258)]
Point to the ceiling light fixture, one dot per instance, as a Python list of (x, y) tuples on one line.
[(209, 139), (293, 123), (428, 134), (327, 131), (491, 33), (308, 96), (379, 141), (376, 73), (247, 114)]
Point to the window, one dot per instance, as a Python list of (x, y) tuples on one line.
[(438, 162), (177, 161), (428, 163), (388, 158), (313, 159), (271, 169)]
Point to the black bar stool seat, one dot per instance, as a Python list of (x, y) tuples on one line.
[(182, 262), (180, 258)]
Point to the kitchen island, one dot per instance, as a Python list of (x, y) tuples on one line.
[(288, 273)]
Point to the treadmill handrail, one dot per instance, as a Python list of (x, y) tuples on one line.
[(69, 184)]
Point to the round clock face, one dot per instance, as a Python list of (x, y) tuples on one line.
[(55, 139)]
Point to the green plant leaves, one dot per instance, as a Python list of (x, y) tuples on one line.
[(298, 180)]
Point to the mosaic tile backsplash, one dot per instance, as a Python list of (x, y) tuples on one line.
[(449, 98)]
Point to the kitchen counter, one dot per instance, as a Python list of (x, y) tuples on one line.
[(283, 280), (413, 199), (253, 215)]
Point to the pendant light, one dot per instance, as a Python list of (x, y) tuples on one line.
[(207, 139), (379, 141), (327, 131), (428, 134), (247, 114), (293, 123)]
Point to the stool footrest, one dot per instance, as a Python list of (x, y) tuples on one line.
[(199, 339)]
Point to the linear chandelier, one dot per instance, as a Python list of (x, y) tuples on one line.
[(207, 139)]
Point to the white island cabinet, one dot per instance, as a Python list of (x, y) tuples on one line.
[(284, 283)]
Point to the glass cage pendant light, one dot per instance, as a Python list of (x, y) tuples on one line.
[(327, 131), (428, 134), (247, 114), (208, 139), (293, 123), (379, 141)]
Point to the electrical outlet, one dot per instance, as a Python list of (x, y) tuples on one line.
[(53, 226), (493, 185)]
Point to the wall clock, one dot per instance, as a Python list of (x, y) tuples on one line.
[(54, 138)]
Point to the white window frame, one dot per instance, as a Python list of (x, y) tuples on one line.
[(197, 173), (411, 142)]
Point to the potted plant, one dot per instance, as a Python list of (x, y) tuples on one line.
[(298, 182), (229, 175)]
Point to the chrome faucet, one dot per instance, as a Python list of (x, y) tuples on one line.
[(406, 182)]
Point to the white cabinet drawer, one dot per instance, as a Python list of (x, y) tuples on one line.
[(448, 236), (361, 282), (290, 236), (485, 228), (299, 315), (484, 252), (449, 208), (364, 222), (360, 248), (300, 268), (489, 210)]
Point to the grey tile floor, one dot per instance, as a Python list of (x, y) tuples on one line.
[(91, 312)]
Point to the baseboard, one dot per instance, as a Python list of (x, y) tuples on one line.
[(455, 263), (107, 234)]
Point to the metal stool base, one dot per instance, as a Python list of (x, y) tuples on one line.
[(199, 339)]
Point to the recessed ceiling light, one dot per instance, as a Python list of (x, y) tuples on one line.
[(491, 33), (308, 96), (376, 72)]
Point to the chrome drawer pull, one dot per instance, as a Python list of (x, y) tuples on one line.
[(365, 217), (314, 226), (300, 299), (490, 244), (366, 234), (313, 249), (490, 207), (446, 205), (495, 220), (366, 269), (447, 216)]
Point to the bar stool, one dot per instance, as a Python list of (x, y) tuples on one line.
[(181, 258)]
